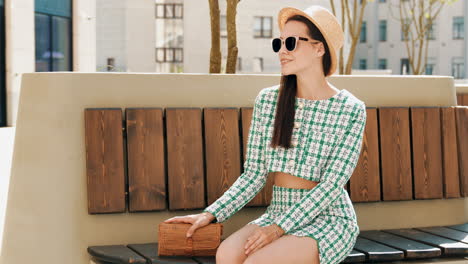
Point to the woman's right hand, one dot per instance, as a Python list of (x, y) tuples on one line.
[(197, 221)]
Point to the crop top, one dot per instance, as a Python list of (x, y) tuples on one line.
[(325, 147)]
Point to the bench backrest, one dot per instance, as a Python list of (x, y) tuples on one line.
[(171, 154)]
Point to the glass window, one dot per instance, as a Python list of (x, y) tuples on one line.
[(169, 10), (458, 68), (61, 44), (382, 64), (363, 64), (363, 35), (383, 30), (262, 27), (458, 27), (53, 35), (159, 10), (404, 63), (43, 43), (430, 31), (430, 66)]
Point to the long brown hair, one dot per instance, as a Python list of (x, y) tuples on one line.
[(284, 117)]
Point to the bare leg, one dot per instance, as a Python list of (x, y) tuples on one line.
[(231, 250), (287, 249)]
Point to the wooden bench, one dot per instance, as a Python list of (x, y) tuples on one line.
[(433, 243), (409, 153)]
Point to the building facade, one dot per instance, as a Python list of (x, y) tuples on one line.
[(382, 46)]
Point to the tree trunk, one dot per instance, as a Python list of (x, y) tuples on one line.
[(232, 50), (215, 52)]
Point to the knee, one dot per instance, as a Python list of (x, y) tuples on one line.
[(226, 254)]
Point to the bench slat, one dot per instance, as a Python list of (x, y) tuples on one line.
[(376, 251), (146, 162), (354, 257), (448, 246), (461, 114), (461, 227), (463, 99), (205, 260), (412, 249), (426, 152), (263, 198), (105, 160), (446, 232), (365, 181), (396, 153), (451, 176), (222, 150), (150, 252), (186, 181), (119, 254), (459, 99)]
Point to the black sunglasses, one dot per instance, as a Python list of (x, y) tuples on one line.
[(290, 42)]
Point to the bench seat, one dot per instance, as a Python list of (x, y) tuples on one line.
[(437, 243)]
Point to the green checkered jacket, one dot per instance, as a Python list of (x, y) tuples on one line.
[(326, 145)]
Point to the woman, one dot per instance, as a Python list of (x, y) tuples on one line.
[(308, 134)]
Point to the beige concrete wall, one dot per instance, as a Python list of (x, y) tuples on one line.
[(461, 88), (7, 136), (46, 213)]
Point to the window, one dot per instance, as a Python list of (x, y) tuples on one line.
[(383, 30), (405, 29), (257, 64), (458, 27), (363, 64), (430, 65), (53, 35), (263, 27), (239, 64), (110, 64), (223, 26), (458, 69), (169, 55), (382, 64), (363, 35), (430, 31), (169, 49), (404, 66), (169, 11)]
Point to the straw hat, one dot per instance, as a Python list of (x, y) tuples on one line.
[(325, 21)]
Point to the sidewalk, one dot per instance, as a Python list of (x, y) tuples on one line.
[(7, 136)]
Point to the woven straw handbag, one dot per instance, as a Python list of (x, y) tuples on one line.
[(172, 240)]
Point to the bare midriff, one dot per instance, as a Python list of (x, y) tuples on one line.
[(287, 180)]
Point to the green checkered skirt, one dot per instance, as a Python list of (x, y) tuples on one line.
[(335, 229)]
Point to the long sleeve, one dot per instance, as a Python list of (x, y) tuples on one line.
[(336, 172), (254, 177)]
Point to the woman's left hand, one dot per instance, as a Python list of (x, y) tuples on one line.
[(261, 237)]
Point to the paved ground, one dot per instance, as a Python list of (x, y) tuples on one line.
[(7, 136)]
